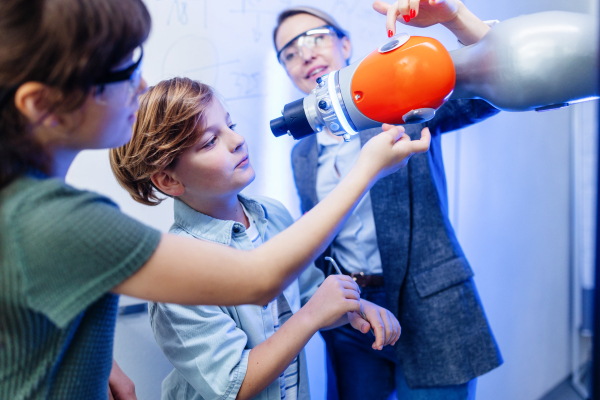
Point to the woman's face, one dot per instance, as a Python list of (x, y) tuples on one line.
[(316, 62), (218, 165)]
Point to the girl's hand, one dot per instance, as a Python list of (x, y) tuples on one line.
[(389, 151), (384, 323), (337, 295), (419, 13)]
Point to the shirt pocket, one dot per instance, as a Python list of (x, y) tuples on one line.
[(442, 276)]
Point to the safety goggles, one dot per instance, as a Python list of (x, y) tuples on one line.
[(314, 39), (132, 73)]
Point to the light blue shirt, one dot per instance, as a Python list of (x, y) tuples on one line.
[(355, 247), (209, 345)]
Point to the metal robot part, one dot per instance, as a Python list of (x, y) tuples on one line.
[(538, 62)]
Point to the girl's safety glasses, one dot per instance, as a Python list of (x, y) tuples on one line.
[(132, 73)]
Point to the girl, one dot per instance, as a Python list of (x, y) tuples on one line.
[(69, 81)]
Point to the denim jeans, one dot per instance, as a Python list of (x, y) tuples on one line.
[(357, 372)]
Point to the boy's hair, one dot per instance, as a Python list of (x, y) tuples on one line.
[(169, 121), (66, 45)]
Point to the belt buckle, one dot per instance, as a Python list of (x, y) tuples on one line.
[(359, 278)]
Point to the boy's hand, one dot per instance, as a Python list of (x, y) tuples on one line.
[(336, 296), (389, 151), (419, 13), (385, 325)]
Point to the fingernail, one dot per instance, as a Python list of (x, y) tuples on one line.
[(413, 13), (380, 347), (406, 18), (390, 33)]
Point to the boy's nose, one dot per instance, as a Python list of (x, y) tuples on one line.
[(238, 141)]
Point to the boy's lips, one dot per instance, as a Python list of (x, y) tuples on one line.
[(244, 162)]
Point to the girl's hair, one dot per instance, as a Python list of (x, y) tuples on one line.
[(66, 45), (170, 120)]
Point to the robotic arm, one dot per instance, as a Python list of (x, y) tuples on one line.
[(536, 62)]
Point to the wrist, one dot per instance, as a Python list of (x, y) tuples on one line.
[(466, 26), (307, 319), (458, 19)]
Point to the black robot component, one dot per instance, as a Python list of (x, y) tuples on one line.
[(293, 122)]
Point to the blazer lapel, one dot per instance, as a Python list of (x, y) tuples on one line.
[(305, 161), (390, 199)]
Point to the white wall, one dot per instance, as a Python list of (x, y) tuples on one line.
[(508, 180)]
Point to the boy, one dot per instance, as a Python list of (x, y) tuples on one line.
[(184, 146)]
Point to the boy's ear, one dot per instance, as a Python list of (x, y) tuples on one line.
[(166, 183), (31, 99)]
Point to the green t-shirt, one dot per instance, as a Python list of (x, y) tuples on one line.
[(61, 252)]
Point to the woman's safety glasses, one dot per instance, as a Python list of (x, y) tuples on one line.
[(315, 39), (132, 73)]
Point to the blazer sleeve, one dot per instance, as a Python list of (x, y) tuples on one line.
[(457, 114)]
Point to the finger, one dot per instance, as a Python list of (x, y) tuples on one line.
[(422, 145), (404, 9), (387, 323), (358, 323), (351, 294), (414, 8), (348, 282), (394, 131), (390, 21), (381, 7), (352, 305), (398, 330), (379, 330)]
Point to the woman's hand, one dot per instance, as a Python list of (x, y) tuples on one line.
[(453, 14), (384, 324), (389, 151), (419, 13)]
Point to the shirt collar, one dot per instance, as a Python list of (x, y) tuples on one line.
[(221, 231)]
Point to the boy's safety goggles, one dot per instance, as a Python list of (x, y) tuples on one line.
[(313, 39)]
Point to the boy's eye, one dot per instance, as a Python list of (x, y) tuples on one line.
[(232, 127), (211, 142)]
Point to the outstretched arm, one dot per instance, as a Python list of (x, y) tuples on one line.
[(453, 14), (188, 271)]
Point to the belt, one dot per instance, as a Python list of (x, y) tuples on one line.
[(363, 280)]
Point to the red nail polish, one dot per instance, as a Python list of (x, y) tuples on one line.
[(413, 13), (406, 18), (390, 33)]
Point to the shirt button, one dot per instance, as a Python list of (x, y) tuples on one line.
[(236, 229), (265, 307)]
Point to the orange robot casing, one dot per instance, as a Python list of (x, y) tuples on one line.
[(418, 74)]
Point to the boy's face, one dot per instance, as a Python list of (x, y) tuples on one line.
[(217, 166), (315, 63)]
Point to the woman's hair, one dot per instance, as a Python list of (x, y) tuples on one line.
[(66, 45), (170, 120)]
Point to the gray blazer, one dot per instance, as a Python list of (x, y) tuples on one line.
[(446, 339)]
